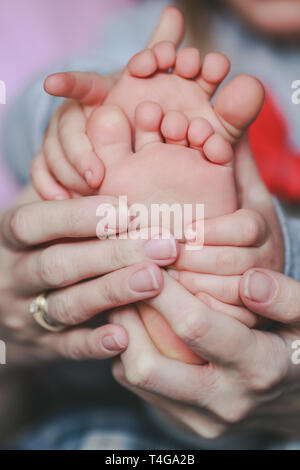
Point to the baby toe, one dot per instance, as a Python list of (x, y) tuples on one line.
[(165, 54), (214, 69), (174, 128), (199, 131), (143, 64), (188, 62), (148, 116), (218, 150)]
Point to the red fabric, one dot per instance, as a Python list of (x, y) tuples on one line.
[(278, 163)]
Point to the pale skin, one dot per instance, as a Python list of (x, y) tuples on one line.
[(28, 266), (36, 270), (34, 259), (264, 235), (158, 168), (187, 90), (249, 380)]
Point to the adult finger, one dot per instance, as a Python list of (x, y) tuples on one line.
[(147, 369), (41, 222), (44, 182), (81, 302), (188, 417), (80, 344), (64, 264), (91, 88), (88, 88), (242, 228), (241, 314), (252, 191), (223, 288), (271, 294), (214, 387), (170, 27), (77, 146), (225, 260), (212, 335), (58, 162)]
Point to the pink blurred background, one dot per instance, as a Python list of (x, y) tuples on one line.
[(36, 33)]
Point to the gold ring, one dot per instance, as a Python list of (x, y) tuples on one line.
[(39, 310)]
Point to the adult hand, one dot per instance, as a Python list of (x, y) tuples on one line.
[(66, 133), (236, 242), (52, 247), (250, 376)]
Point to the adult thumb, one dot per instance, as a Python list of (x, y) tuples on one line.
[(271, 295)]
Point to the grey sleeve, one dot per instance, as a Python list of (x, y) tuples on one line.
[(28, 116), (291, 232)]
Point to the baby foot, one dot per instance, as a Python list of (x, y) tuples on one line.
[(173, 161), (180, 82)]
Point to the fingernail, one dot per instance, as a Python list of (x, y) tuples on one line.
[(112, 343), (173, 273), (144, 281), (61, 198), (259, 287), (161, 249)]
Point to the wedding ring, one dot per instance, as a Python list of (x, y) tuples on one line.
[(39, 310)]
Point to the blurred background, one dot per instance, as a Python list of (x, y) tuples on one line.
[(36, 33)]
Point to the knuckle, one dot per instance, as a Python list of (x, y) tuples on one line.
[(213, 432), (140, 373), (266, 379), (235, 412), (91, 346), (225, 261), (73, 218), (73, 351), (230, 290), (62, 309), (273, 370), (119, 255), (192, 326), (15, 323), (52, 268), (109, 292), (210, 378)]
